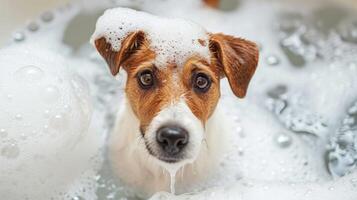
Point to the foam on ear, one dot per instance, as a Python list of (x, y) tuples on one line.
[(173, 40)]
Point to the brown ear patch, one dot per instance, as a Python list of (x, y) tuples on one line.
[(114, 58), (237, 58)]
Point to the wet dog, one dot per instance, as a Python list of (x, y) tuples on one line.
[(170, 116)]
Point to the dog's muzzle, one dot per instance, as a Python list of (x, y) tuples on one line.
[(174, 135)]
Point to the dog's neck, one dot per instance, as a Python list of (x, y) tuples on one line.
[(136, 166)]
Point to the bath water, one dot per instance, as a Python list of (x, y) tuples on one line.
[(294, 134)]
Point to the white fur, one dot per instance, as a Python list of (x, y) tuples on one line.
[(135, 166)]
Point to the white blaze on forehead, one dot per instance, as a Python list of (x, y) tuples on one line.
[(173, 40)]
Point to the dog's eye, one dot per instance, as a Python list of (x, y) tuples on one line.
[(146, 79), (201, 82)]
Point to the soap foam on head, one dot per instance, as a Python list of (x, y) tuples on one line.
[(173, 40)]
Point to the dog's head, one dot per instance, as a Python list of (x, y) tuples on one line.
[(173, 98)]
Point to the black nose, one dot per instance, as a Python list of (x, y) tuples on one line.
[(172, 139)]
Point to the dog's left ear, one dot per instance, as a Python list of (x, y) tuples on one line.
[(237, 58)]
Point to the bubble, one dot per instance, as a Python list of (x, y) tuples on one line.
[(10, 97), (272, 60), (58, 122), (18, 36), (67, 108), (51, 94), (45, 128), (348, 121), (352, 66), (10, 150), (349, 33), (3, 133), (238, 129), (23, 136), (308, 192), (47, 16), (18, 117), (32, 26), (46, 113), (277, 91), (283, 140), (352, 110), (77, 198), (111, 195), (29, 73), (237, 119), (354, 182), (345, 138)]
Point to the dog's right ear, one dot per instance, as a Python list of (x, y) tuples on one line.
[(116, 58)]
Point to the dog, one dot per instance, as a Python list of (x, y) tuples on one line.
[(170, 117)]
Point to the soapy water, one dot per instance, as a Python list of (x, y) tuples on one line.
[(342, 156), (294, 134)]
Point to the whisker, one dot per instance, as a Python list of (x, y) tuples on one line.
[(204, 140), (140, 141), (147, 158)]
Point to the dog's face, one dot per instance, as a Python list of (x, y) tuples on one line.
[(174, 101)]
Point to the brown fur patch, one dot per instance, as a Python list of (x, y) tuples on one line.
[(233, 57), (201, 104), (146, 103), (170, 85)]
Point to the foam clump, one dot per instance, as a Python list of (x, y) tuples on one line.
[(344, 188), (45, 114), (172, 39)]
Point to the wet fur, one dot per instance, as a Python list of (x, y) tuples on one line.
[(133, 152), (133, 164)]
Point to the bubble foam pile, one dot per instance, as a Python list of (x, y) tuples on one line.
[(47, 146), (343, 147)]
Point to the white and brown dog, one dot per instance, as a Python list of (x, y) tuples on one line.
[(170, 116)]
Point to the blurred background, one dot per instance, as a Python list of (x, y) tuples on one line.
[(304, 135), (16, 13)]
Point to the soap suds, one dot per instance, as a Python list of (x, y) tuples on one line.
[(45, 127), (173, 40)]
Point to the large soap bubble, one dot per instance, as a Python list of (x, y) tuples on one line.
[(45, 112)]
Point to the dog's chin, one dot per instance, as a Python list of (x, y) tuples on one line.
[(170, 160), (161, 156)]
